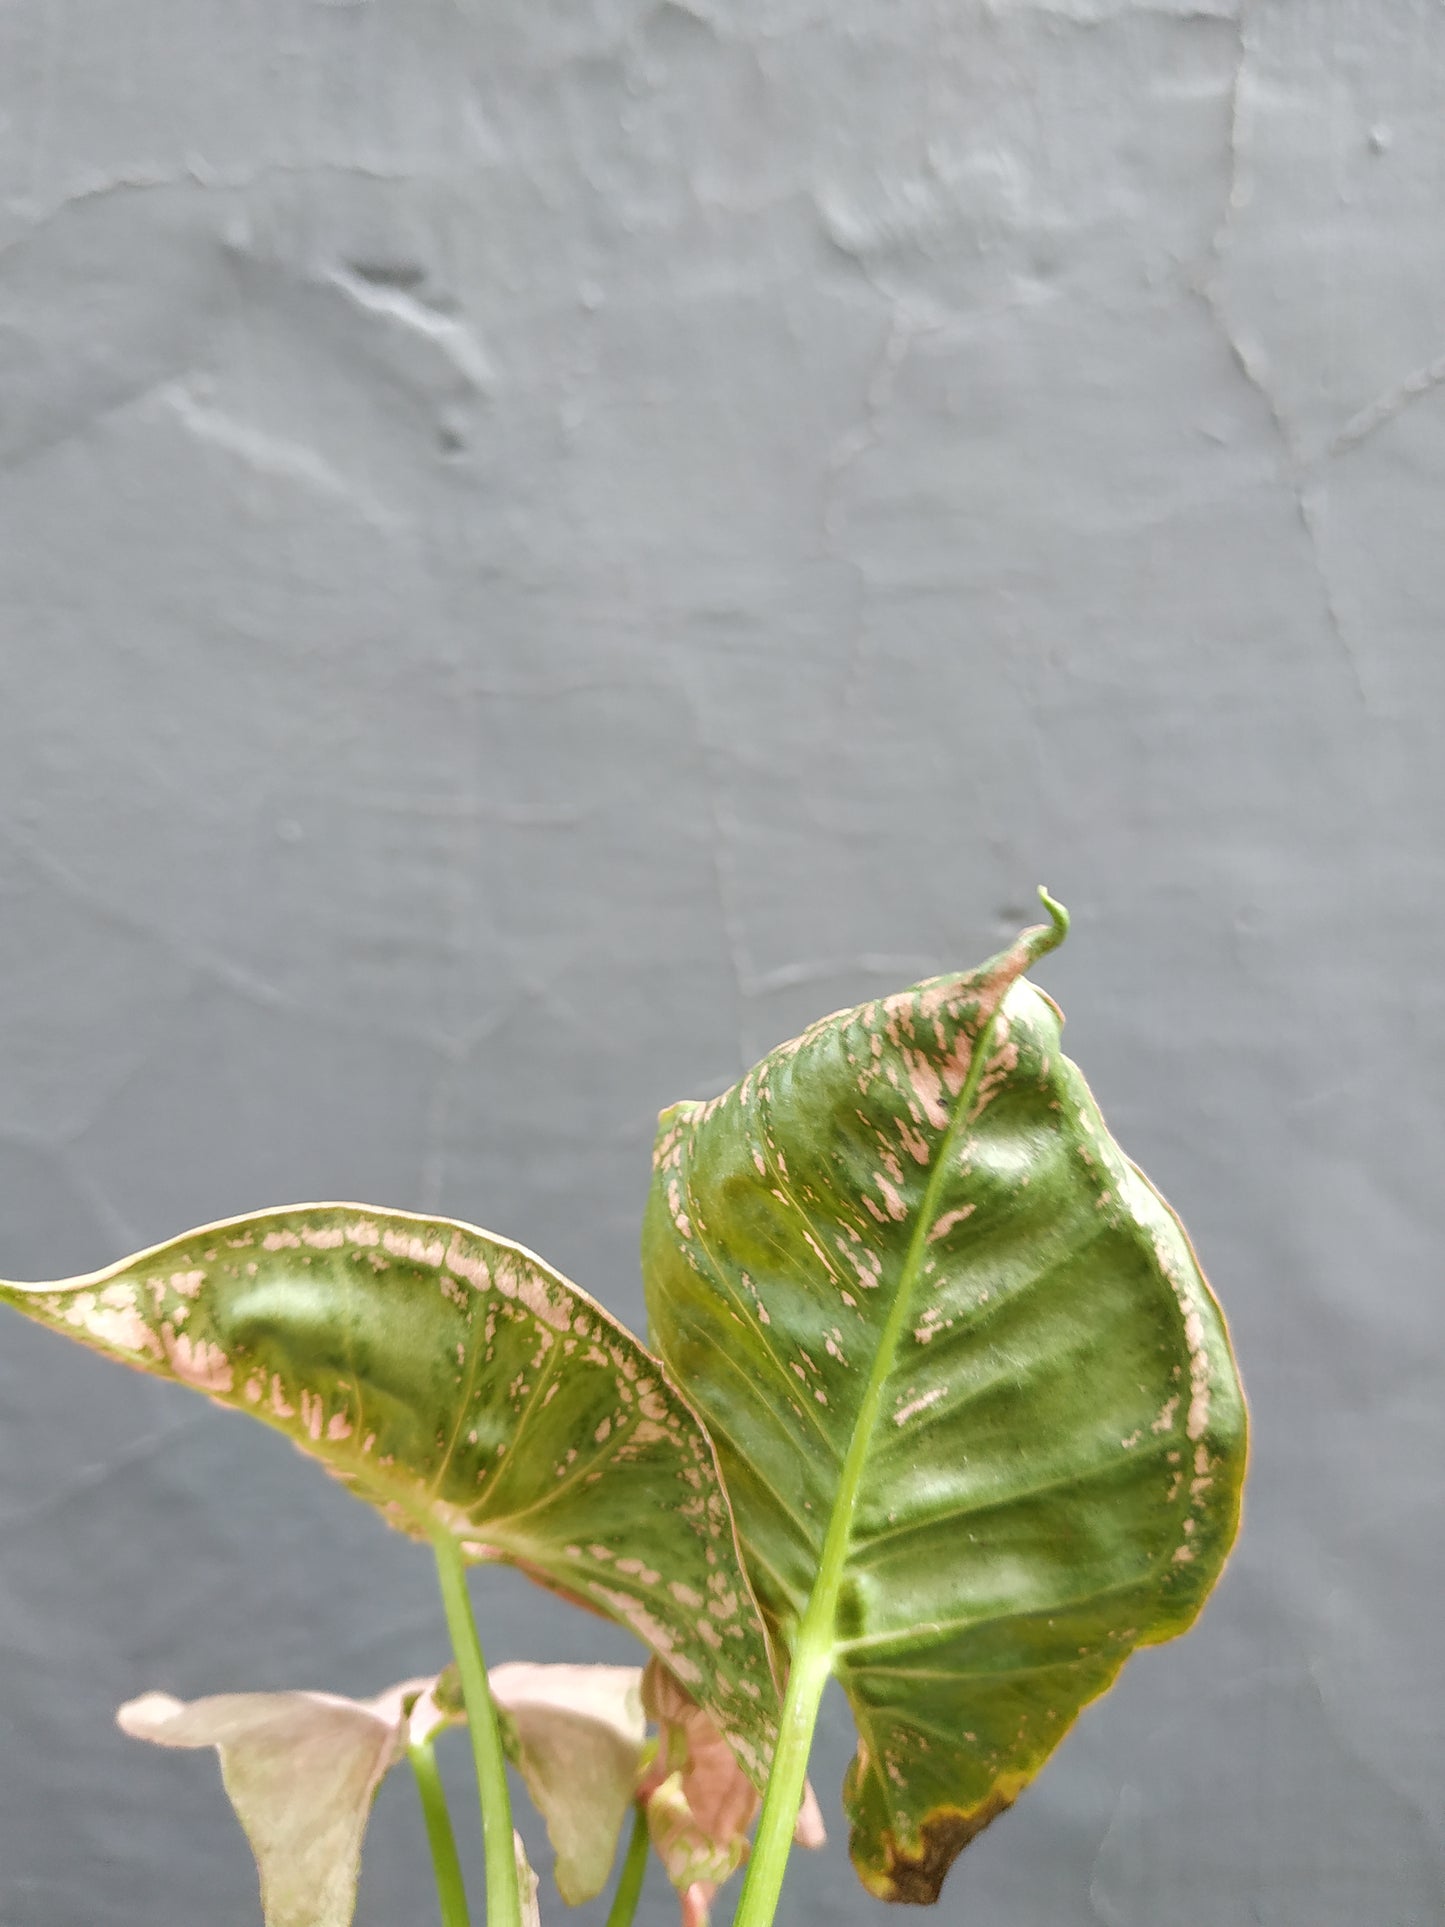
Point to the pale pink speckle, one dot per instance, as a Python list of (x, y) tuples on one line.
[(402, 1244), (891, 1195), (917, 1405), (945, 1224), (126, 1330), (197, 1361), (674, 1203), (927, 1087), (466, 1265)]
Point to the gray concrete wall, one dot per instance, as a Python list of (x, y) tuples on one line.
[(545, 543)]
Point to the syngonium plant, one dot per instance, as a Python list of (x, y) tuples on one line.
[(939, 1404)]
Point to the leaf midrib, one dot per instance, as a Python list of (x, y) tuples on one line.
[(817, 1636)]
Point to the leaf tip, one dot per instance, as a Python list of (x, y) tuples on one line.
[(1051, 938), (147, 1717), (912, 1872)]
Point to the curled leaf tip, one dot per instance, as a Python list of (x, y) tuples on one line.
[(1058, 917), (1032, 944)]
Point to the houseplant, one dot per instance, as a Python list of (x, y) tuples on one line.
[(938, 1403)]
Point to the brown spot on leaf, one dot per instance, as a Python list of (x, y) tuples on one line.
[(915, 1875)]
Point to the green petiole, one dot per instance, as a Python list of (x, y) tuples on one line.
[(634, 1870), (504, 1901), (451, 1892)]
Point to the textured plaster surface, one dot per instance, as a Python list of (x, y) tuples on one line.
[(543, 545)]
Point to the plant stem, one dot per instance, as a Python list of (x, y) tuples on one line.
[(451, 1892), (764, 1879), (504, 1900), (634, 1870)]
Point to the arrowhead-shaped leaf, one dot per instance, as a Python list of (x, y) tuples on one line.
[(723, 1804), (700, 1807), (576, 1736), (301, 1770), (964, 1375), (452, 1379)]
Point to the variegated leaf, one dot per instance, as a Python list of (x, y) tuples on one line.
[(700, 1807), (301, 1770), (696, 1862), (974, 1402), (454, 1381)]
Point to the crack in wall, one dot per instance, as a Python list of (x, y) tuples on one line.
[(1295, 471), (452, 337), (879, 389), (1387, 407), (38, 215), (275, 456), (721, 834)]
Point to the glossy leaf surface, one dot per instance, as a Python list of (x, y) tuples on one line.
[(454, 1381), (974, 1402)]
